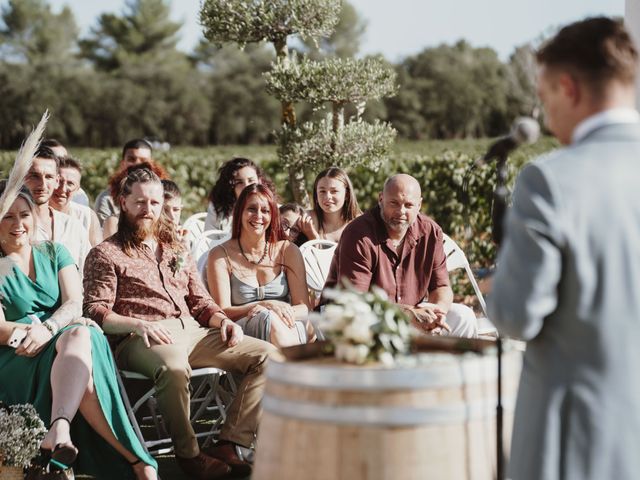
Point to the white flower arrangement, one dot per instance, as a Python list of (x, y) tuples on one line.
[(21, 431), (364, 326)]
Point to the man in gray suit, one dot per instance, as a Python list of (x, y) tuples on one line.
[(568, 277)]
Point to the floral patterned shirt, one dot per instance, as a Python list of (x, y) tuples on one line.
[(143, 287)]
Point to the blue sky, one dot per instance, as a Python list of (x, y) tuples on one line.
[(397, 28)]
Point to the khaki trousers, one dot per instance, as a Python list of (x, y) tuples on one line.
[(169, 366)]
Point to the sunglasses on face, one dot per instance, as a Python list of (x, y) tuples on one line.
[(292, 230)]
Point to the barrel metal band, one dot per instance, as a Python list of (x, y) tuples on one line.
[(381, 416), (368, 379)]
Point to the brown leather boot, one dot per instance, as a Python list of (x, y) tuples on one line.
[(203, 467), (226, 451)]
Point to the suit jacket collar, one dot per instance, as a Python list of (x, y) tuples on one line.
[(612, 116), (629, 132)]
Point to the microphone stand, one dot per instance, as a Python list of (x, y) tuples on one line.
[(500, 197)]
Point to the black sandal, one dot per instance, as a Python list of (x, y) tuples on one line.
[(62, 456)]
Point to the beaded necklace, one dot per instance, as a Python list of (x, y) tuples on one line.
[(264, 254)]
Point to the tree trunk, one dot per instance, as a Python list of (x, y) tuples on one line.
[(338, 122), (296, 171), (298, 186), (338, 116)]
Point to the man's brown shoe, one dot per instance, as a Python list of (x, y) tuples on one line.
[(226, 451), (203, 467)]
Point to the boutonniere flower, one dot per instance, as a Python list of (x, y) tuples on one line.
[(177, 263)]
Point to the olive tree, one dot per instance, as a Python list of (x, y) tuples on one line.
[(333, 82)]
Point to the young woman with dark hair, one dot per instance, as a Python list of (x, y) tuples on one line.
[(334, 206), (291, 215), (233, 177)]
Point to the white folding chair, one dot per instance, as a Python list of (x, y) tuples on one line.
[(317, 255), (200, 251), (194, 225), (208, 402), (208, 239), (456, 259)]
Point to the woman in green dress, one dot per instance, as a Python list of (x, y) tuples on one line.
[(63, 365)]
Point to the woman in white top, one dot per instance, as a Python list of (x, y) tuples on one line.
[(334, 206), (233, 176)]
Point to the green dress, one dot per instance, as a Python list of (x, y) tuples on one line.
[(27, 380)]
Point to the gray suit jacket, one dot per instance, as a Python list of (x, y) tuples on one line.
[(568, 282)]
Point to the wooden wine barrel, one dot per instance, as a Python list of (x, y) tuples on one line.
[(327, 420)]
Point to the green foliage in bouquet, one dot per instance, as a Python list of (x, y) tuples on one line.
[(364, 326), (21, 431)]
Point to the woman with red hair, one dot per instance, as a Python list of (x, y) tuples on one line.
[(257, 277)]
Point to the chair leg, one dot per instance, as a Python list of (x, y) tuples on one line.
[(130, 411), (211, 386), (156, 416), (207, 396)]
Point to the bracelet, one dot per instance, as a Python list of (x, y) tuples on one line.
[(48, 324)]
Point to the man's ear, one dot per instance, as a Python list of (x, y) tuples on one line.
[(570, 87), (380, 195)]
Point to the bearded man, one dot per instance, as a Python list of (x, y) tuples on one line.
[(134, 152), (400, 250), (142, 287)]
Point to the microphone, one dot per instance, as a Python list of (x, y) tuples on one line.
[(524, 130)]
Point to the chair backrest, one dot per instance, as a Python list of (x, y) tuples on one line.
[(206, 241), (317, 255), (457, 259), (194, 225), (209, 239)]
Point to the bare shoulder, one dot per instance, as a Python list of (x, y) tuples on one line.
[(288, 249), (222, 250)]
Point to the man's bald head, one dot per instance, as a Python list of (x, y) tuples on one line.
[(400, 203), (404, 183)]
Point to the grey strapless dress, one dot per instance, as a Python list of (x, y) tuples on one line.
[(259, 325)]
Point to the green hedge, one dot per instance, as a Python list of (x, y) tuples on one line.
[(439, 166)]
